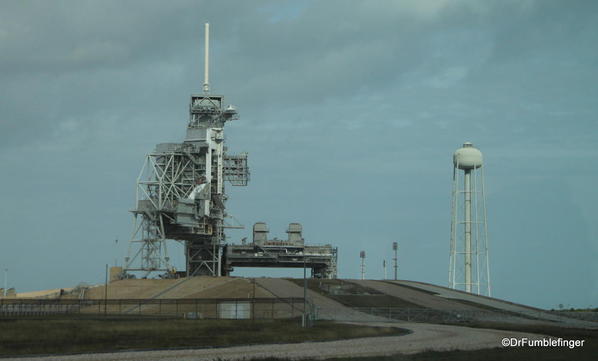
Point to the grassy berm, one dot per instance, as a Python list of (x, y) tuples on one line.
[(63, 336)]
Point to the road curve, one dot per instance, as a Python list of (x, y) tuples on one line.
[(424, 337)]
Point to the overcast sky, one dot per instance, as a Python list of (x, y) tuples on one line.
[(350, 112)]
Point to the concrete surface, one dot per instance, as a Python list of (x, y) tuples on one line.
[(450, 294), (327, 308)]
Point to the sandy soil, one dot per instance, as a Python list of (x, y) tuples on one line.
[(194, 287)]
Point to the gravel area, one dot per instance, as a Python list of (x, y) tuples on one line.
[(439, 303), (420, 298), (424, 337)]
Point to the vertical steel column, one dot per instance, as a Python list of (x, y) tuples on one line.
[(5, 291), (467, 221), (384, 267), (106, 292), (303, 319), (253, 301)]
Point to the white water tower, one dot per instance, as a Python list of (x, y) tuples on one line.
[(469, 267)]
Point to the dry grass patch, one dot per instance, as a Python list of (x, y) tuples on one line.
[(62, 336)]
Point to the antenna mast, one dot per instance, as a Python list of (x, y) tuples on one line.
[(206, 73)]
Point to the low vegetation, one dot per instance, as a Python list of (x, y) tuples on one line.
[(354, 295), (62, 336), (497, 354)]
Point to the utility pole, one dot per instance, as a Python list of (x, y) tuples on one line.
[(304, 318), (395, 247), (253, 302), (116, 251), (106, 292), (384, 266), (5, 292)]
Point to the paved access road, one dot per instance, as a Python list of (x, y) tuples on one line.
[(424, 337)]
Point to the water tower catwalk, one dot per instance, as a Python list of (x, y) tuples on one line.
[(469, 267)]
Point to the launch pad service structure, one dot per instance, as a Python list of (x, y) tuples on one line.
[(181, 196)]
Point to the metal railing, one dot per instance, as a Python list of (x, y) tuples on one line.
[(580, 315)]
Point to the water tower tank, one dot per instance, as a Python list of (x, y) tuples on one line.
[(467, 157)]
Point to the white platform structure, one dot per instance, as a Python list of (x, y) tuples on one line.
[(469, 266)]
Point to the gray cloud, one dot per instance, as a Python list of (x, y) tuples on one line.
[(350, 111)]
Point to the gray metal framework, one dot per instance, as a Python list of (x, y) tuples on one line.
[(181, 196), (289, 253)]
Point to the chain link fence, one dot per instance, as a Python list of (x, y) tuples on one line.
[(195, 308)]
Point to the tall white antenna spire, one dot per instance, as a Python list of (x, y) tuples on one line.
[(206, 69)]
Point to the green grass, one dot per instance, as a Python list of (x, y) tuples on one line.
[(495, 354), (63, 336)]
